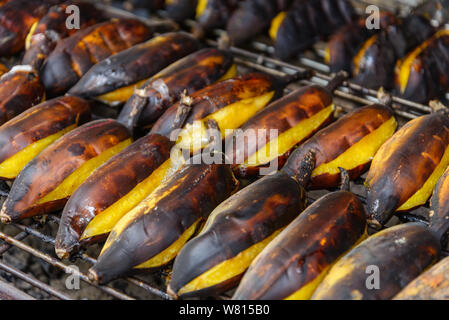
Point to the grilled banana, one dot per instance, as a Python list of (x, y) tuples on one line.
[(47, 181), (396, 256), (75, 55), (228, 103), (293, 118), (349, 143), (212, 14), (20, 89), (421, 75), (306, 22), (112, 80), (348, 40), (293, 264), (188, 75), (374, 64), (51, 28), (16, 19), (236, 231), (407, 167), (152, 234), (253, 17), (110, 192), (25, 136)]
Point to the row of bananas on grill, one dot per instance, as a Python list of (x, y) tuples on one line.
[(221, 225), (407, 55)]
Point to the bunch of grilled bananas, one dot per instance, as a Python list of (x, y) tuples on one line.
[(407, 55), (139, 182)]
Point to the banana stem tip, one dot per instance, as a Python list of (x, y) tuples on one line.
[(62, 253), (5, 219), (373, 223), (93, 276)]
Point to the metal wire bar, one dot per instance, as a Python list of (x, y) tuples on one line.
[(9, 292), (90, 260), (56, 263), (5, 247), (33, 281)]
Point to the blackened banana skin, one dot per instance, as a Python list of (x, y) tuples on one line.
[(439, 208), (52, 27), (75, 55), (308, 21), (180, 10), (304, 250), (53, 165), (216, 14), (403, 165), (192, 73), (427, 73), (217, 96), (104, 187), (16, 20), (431, 285), (333, 141), (400, 253), (253, 17), (151, 5), (245, 219), (186, 197), (20, 89), (375, 67), (344, 44), (134, 64)]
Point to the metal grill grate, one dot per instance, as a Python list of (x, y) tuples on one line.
[(257, 57)]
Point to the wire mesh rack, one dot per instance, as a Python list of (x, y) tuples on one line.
[(257, 57)]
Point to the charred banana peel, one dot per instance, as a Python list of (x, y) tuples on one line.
[(349, 143), (374, 64), (293, 264), (344, 45), (180, 204), (213, 14), (188, 75), (25, 136), (274, 132), (111, 191), (407, 167), (293, 119), (16, 19), (20, 89), (306, 22), (439, 208), (399, 254), (51, 28), (180, 10), (236, 231), (422, 74), (113, 80), (431, 285), (251, 18), (46, 182), (75, 55)]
